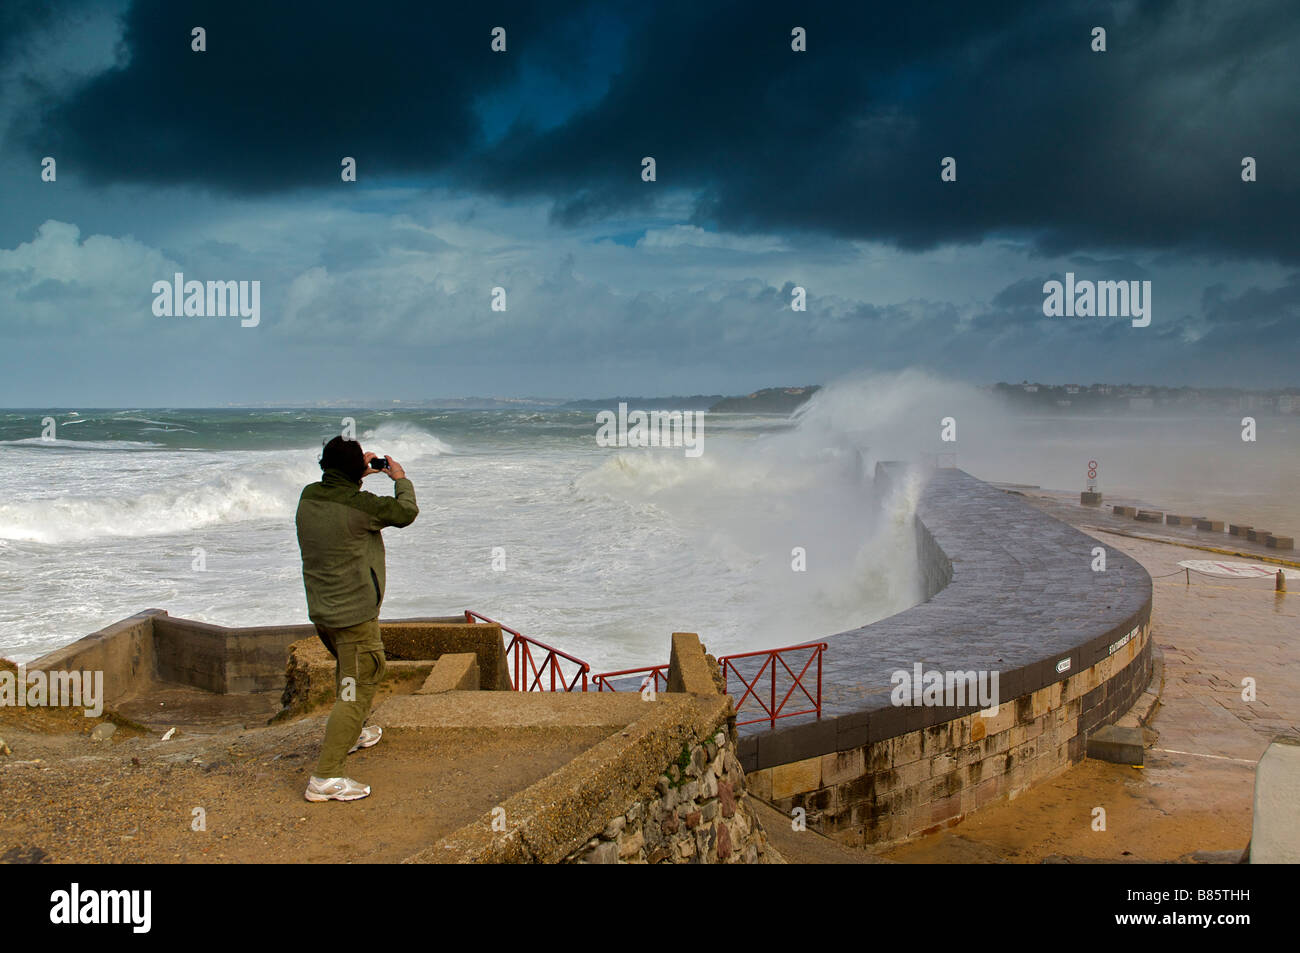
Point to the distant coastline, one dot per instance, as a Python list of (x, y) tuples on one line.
[(1026, 396)]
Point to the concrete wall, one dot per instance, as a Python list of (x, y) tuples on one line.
[(935, 566), (221, 659), (422, 639), (123, 651), (1071, 648), (1275, 831), (151, 647), (412, 646)]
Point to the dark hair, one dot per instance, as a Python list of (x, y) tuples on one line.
[(345, 456)]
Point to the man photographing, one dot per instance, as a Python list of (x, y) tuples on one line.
[(343, 571)]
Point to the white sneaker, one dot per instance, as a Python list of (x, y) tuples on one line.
[(335, 789), (369, 738)]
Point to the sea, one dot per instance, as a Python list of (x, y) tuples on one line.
[(773, 535)]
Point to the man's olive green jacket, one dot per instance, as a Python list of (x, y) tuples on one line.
[(342, 548)]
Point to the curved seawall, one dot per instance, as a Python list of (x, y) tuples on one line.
[(1012, 592)]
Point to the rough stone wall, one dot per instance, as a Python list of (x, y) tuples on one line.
[(924, 780), (700, 813)]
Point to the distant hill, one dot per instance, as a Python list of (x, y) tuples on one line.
[(769, 400), (697, 402)]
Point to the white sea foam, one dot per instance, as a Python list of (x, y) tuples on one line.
[(403, 441), (59, 443), (607, 552), (173, 508)]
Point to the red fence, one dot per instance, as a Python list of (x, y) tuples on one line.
[(604, 681), (526, 673), (774, 660)]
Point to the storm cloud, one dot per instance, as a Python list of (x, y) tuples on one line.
[(1058, 145)]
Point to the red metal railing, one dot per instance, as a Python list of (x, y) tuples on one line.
[(660, 673), (772, 709), (527, 673)]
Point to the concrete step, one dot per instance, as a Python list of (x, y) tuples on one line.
[(473, 711)]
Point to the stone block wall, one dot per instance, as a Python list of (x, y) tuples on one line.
[(926, 779)]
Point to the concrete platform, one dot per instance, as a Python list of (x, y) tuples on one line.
[(497, 711), (452, 673)]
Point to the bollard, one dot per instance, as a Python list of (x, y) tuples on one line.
[(1281, 581)]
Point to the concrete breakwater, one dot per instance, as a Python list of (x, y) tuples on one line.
[(1012, 591)]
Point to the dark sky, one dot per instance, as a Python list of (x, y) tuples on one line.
[(521, 170)]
